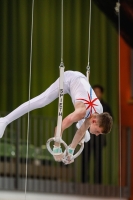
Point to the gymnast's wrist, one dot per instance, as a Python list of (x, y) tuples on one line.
[(72, 146), (57, 144)]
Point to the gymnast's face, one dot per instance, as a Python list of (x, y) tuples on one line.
[(94, 128)]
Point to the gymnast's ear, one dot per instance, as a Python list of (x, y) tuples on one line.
[(94, 121)]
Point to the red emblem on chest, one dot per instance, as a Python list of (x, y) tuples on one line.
[(90, 103)]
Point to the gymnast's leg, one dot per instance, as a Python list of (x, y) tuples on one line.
[(40, 101)]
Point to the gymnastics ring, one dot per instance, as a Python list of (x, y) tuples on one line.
[(55, 140), (79, 152)]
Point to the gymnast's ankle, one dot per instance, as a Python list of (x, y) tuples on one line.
[(3, 124)]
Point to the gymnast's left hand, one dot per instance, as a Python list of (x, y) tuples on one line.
[(58, 158)]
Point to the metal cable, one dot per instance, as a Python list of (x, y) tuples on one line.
[(89, 35), (88, 66), (29, 98), (61, 31)]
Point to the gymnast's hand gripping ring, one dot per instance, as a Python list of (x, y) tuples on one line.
[(55, 139), (69, 157)]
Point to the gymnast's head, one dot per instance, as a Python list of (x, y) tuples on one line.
[(100, 123)]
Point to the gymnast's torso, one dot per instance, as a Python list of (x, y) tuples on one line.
[(78, 87)]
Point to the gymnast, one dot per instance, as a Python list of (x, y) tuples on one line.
[(88, 111)]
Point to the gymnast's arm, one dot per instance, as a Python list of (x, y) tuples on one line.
[(78, 114), (80, 134), (75, 116)]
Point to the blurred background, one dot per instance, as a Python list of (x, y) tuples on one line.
[(104, 169)]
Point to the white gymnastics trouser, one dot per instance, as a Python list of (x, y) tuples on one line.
[(45, 98), (40, 101)]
